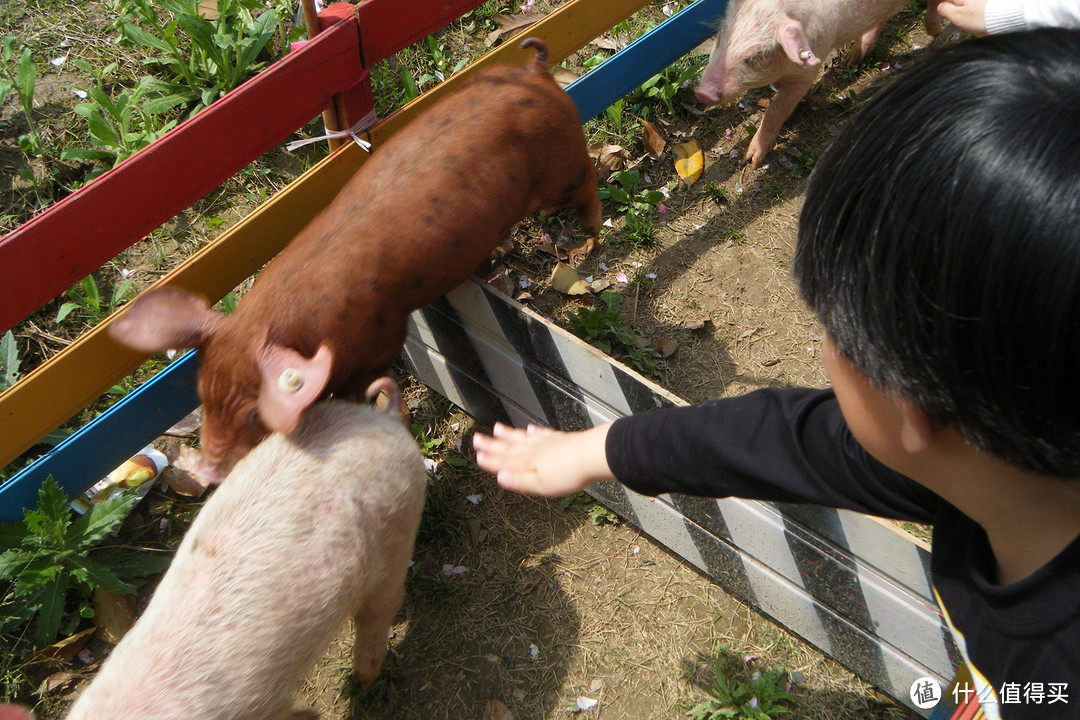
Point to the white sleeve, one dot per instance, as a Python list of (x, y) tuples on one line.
[(1006, 15)]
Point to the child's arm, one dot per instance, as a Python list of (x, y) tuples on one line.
[(545, 462), (981, 17)]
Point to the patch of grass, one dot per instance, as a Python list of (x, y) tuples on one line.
[(742, 694), (716, 193)]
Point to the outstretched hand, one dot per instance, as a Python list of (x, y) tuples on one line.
[(539, 461)]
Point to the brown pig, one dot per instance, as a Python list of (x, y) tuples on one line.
[(328, 314), (309, 530)]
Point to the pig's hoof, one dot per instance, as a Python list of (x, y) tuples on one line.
[(577, 254)]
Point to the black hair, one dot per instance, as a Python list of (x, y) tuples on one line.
[(939, 243)]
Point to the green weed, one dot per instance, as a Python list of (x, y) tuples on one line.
[(640, 230), (118, 128), (53, 564), (606, 329), (739, 694), (85, 296), (624, 192), (198, 59), (20, 75)]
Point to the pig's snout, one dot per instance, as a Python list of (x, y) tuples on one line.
[(708, 93), (209, 471)]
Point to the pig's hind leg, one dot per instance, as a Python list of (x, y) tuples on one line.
[(586, 204)]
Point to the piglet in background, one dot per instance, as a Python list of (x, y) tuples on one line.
[(784, 43), (329, 313), (309, 529)]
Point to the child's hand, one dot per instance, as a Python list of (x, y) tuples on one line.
[(545, 462), (968, 15)]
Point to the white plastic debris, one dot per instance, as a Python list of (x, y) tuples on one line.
[(474, 499), (534, 652)]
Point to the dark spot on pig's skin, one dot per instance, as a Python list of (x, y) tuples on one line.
[(417, 282), (451, 161), (526, 102), (514, 178), (428, 220), (493, 79)]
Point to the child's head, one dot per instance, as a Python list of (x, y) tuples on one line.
[(939, 244)]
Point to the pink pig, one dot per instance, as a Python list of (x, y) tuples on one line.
[(309, 530), (783, 43)]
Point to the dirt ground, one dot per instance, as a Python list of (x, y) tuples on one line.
[(546, 606)]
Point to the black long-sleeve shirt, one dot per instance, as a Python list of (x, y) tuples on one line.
[(792, 445)]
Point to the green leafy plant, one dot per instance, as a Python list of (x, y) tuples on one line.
[(20, 75), (597, 513), (741, 695), (9, 361), (606, 329), (428, 443), (118, 128), (665, 85), (86, 298), (640, 230), (52, 564), (716, 193), (624, 192), (803, 160), (200, 59)]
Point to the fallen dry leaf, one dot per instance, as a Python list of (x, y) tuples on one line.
[(114, 614), (63, 651), (608, 158), (654, 142), (763, 102), (54, 682), (566, 280), (666, 346), (689, 162), (497, 710), (605, 43), (511, 25)]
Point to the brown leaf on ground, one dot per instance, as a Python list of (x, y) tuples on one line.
[(114, 614), (497, 710), (511, 26), (654, 142), (607, 158), (63, 651)]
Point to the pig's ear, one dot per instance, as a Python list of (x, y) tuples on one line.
[(165, 319), (796, 46), (290, 383)]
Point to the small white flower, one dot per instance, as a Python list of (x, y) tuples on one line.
[(81, 94), (534, 652), (58, 61)]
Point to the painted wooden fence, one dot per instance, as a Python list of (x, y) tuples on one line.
[(850, 585)]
